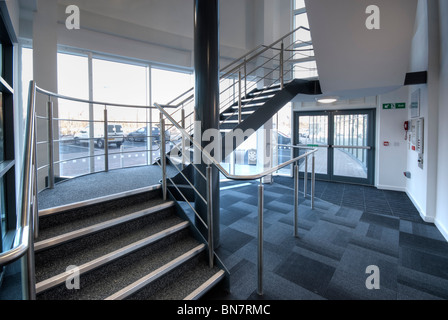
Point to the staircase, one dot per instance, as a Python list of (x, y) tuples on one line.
[(133, 247), (260, 105)]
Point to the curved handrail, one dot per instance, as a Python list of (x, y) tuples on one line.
[(22, 239), (109, 104), (213, 161)]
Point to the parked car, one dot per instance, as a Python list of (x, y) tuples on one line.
[(114, 135), (141, 135)]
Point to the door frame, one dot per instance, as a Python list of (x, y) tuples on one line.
[(371, 134)]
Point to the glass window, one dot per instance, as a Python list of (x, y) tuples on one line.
[(26, 61), (73, 81), (299, 4)]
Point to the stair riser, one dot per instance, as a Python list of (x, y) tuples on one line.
[(149, 292), (62, 252), (48, 221), (106, 280)]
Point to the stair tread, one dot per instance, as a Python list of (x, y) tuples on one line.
[(54, 230), (107, 280), (66, 255), (186, 283)]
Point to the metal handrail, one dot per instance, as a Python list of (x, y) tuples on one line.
[(239, 66), (99, 103), (217, 164), (209, 190), (24, 234)]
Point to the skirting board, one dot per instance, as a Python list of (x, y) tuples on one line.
[(391, 188), (442, 229), (420, 210)]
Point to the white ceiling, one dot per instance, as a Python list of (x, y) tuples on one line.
[(354, 61)]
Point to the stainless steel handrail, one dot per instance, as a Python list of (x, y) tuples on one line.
[(217, 164), (24, 234), (99, 103), (240, 65), (214, 162)]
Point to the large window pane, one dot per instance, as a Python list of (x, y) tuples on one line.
[(73, 81), (124, 83)]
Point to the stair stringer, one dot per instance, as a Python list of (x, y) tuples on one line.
[(265, 112)]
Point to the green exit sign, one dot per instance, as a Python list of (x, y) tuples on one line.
[(399, 105)]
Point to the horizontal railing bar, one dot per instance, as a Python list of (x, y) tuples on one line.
[(99, 103), (218, 165)]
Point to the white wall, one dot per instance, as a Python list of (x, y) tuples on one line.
[(441, 218), (422, 187), (159, 31), (391, 160)]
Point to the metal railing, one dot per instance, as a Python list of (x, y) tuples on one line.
[(211, 161), (27, 222), (263, 67), (96, 133)]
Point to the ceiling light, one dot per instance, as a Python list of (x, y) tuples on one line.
[(327, 100)]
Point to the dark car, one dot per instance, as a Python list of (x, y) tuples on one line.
[(141, 135)]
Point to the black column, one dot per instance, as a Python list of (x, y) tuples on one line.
[(206, 64)]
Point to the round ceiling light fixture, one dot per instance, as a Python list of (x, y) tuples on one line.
[(327, 100)]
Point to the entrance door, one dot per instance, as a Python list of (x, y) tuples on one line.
[(344, 140)]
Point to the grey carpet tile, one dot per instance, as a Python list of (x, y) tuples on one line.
[(350, 228)]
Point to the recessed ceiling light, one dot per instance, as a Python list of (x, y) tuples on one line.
[(327, 100)]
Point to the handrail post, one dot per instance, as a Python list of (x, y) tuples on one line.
[(245, 77), (313, 181), (50, 144), (184, 151), (296, 197), (239, 96), (305, 178), (282, 48), (106, 141), (260, 237), (163, 154), (35, 184), (210, 215)]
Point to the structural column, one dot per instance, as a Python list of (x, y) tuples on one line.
[(206, 64)]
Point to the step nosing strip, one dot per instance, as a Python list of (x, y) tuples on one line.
[(98, 262), (156, 274), (203, 288), (47, 243), (75, 205)]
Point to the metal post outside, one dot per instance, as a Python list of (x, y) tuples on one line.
[(210, 215), (106, 142), (260, 238), (50, 145)]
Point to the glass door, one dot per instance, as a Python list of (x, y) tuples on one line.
[(313, 132), (352, 146), (345, 141)]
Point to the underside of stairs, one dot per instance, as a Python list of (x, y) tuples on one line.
[(132, 247), (257, 107)]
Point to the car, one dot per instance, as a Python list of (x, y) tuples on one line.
[(141, 135), (114, 135)]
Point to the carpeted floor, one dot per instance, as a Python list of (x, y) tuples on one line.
[(336, 245), (351, 228)]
